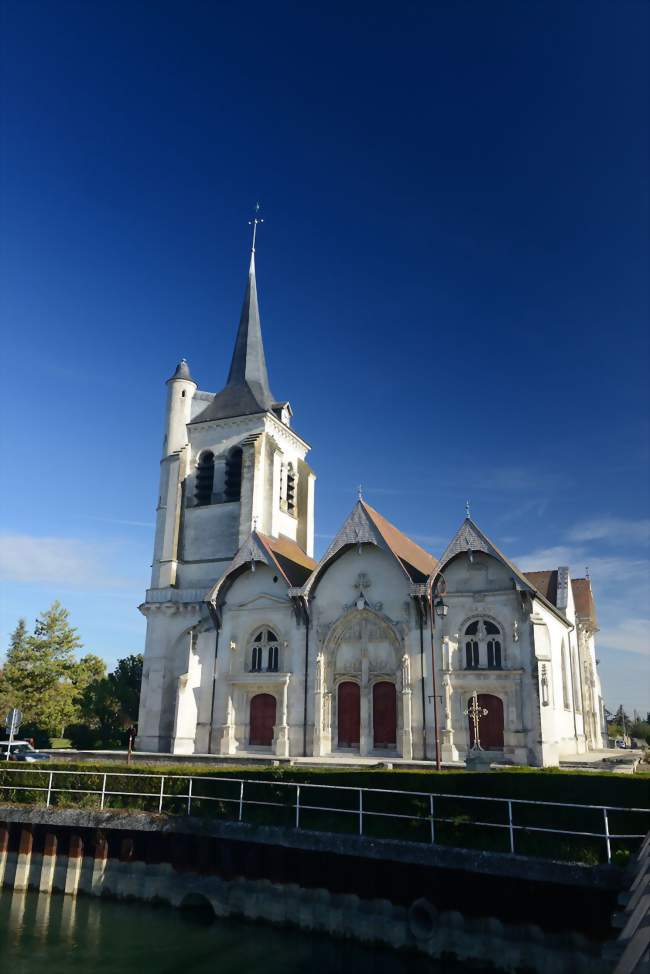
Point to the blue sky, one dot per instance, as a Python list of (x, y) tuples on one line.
[(452, 276)]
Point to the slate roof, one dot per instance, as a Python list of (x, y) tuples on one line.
[(182, 372), (415, 559), (247, 388)]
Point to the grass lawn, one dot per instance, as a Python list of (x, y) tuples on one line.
[(461, 822)]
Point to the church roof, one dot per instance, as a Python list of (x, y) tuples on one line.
[(290, 559), (280, 554), (584, 599), (247, 388), (544, 582), (365, 525)]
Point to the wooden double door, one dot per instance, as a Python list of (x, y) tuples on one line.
[(384, 714), (490, 725)]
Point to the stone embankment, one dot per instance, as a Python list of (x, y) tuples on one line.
[(548, 917)]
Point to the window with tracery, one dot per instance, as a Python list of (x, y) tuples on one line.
[(483, 644), (265, 652)]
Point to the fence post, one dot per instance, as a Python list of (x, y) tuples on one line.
[(101, 804), (49, 790), (297, 806), (189, 797), (511, 829), (607, 842), (433, 827), (360, 812), (162, 792), (241, 799)]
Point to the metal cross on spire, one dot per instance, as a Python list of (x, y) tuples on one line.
[(253, 223), (467, 510)]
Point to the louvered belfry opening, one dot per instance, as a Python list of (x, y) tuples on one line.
[(233, 475), (291, 489), (204, 478)]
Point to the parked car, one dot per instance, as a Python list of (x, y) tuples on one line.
[(21, 751)]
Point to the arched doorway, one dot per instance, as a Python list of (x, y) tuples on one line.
[(349, 714), (384, 715), (262, 719), (490, 728)]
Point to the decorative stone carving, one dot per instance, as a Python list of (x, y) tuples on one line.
[(320, 663), (406, 672), (515, 631)]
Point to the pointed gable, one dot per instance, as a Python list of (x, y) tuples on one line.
[(280, 554), (469, 537), (583, 598), (364, 525), (247, 388)]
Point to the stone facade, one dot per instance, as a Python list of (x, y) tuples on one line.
[(254, 647)]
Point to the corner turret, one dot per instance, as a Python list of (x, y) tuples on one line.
[(180, 390)]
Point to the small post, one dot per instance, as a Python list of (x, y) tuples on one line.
[(431, 819), (607, 842), (241, 800), (297, 806), (189, 797), (360, 812), (101, 804), (49, 790), (162, 792), (510, 827)]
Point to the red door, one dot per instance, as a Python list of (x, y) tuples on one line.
[(262, 719), (384, 715), (490, 727), (349, 714)]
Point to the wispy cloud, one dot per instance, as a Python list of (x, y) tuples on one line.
[(67, 562), (630, 636), (116, 520), (613, 530)]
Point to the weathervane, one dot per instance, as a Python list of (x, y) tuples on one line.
[(253, 223), (474, 712)]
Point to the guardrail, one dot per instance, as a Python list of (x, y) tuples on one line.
[(164, 791)]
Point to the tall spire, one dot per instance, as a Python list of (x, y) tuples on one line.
[(247, 388)]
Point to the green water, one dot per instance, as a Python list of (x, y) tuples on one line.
[(57, 934)]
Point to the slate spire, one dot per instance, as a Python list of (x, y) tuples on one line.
[(247, 388)]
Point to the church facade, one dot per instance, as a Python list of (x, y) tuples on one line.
[(378, 649)]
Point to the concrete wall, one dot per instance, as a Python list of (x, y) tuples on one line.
[(375, 892)]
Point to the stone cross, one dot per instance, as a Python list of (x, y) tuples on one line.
[(474, 712)]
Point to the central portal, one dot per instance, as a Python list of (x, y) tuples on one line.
[(349, 714)]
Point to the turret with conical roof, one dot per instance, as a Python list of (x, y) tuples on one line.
[(180, 389)]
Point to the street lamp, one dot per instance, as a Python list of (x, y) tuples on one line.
[(439, 607)]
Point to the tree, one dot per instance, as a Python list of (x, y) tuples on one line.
[(110, 704), (38, 673)]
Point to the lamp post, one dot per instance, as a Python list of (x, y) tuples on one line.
[(436, 608)]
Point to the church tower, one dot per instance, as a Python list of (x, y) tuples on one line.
[(231, 463)]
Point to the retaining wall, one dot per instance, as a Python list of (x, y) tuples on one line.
[(475, 906)]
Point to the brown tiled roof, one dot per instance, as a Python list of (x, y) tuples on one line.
[(417, 562), (584, 599), (544, 582), (291, 560)]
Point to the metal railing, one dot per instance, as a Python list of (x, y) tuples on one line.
[(160, 794)]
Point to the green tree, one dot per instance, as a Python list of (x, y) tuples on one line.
[(38, 673), (109, 705)]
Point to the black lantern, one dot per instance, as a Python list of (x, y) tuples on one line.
[(441, 608)]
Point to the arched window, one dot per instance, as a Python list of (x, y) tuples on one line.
[(232, 491), (265, 653), (483, 644), (204, 478), (565, 679)]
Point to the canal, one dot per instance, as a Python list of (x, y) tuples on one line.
[(41, 934)]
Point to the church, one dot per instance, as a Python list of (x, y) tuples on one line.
[(377, 650)]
